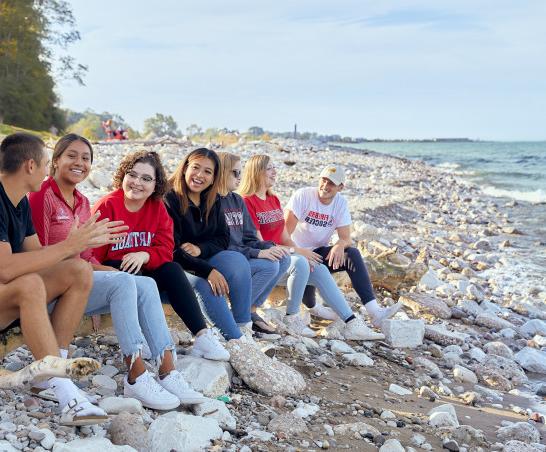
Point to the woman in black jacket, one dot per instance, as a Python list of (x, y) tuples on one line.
[(201, 239)]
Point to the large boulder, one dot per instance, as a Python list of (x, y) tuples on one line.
[(263, 374), (129, 429), (426, 305), (533, 327), (211, 378), (215, 409), (442, 336), (532, 360), (519, 431), (177, 431), (403, 333), (500, 373)]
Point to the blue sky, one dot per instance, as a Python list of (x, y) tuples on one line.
[(390, 69)]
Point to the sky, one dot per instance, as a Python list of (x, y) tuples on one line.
[(374, 69)]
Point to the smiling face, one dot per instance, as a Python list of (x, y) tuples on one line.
[(327, 190), (74, 164), (139, 182), (234, 177), (199, 174)]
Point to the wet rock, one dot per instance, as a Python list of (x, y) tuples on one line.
[(287, 423), (520, 431), (129, 429), (403, 333), (211, 378), (263, 374), (182, 432)]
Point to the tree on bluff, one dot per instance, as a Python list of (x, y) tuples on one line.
[(34, 35), (161, 125)]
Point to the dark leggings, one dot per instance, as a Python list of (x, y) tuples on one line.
[(355, 268), (171, 279)]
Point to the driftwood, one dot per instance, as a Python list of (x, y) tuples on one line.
[(50, 366)]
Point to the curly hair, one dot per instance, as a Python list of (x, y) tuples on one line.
[(152, 158)]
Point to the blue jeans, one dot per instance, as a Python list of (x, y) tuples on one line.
[(135, 307), (300, 275), (265, 275), (236, 270)]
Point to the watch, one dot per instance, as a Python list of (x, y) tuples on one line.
[(291, 250)]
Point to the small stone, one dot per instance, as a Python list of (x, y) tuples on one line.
[(451, 445), (395, 389), (392, 445)]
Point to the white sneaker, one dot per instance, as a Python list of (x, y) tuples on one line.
[(150, 393), (356, 330), (207, 346), (384, 314), (324, 312), (175, 384), (296, 326)]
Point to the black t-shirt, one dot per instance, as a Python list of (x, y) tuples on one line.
[(15, 221)]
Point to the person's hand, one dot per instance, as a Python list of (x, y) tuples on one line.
[(191, 249), (336, 256), (133, 262), (93, 233), (218, 283), (275, 253), (311, 256)]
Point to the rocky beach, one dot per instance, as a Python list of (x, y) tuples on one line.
[(462, 366)]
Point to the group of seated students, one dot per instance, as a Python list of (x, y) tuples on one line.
[(209, 250)]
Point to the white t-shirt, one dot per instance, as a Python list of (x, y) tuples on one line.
[(317, 222)]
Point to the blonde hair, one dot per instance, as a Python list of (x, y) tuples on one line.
[(178, 182), (253, 175), (227, 162)]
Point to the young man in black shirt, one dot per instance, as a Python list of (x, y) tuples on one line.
[(31, 276)]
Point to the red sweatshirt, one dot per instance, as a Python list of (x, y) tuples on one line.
[(150, 230), (267, 216), (53, 217)]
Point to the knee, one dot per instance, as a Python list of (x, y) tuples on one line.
[(81, 273), (353, 253), (29, 288), (300, 265)]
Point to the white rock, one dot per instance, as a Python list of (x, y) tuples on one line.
[(532, 360), (182, 432), (519, 431), (104, 381), (215, 409), (464, 375), (211, 378), (100, 179), (304, 410), (91, 445), (5, 446), (260, 435), (116, 405), (446, 408), (477, 354), (392, 445), (403, 333), (49, 439), (340, 347), (520, 446), (358, 359), (387, 415), (395, 389), (430, 280), (499, 349)]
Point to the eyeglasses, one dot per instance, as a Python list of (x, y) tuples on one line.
[(135, 176), (236, 173)]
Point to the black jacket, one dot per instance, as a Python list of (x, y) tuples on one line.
[(211, 236)]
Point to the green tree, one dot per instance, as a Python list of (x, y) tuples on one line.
[(193, 129), (31, 34), (161, 125)]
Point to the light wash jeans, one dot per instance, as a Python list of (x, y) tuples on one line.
[(236, 270), (299, 275), (265, 275), (135, 307)]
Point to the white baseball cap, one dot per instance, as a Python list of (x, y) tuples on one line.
[(335, 173)]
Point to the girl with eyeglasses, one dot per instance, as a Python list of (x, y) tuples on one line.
[(268, 262), (133, 301), (140, 183)]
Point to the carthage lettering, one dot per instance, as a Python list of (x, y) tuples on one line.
[(134, 240)]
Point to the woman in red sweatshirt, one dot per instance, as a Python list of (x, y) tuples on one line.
[(140, 183)]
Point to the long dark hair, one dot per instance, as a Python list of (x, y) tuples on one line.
[(178, 182)]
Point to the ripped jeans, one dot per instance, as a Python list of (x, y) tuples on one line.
[(135, 307)]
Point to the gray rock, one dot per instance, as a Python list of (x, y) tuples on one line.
[(437, 418), (392, 445), (499, 349), (520, 446), (442, 336), (423, 305), (500, 373), (261, 373), (340, 347), (533, 327), (360, 427), (215, 409), (287, 423), (395, 389), (211, 378), (520, 431), (182, 432), (90, 445), (129, 429), (492, 321), (110, 371), (532, 360), (358, 359), (450, 445), (104, 381), (403, 333), (464, 375), (48, 440), (5, 446)]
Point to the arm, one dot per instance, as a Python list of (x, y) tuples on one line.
[(344, 236), (194, 264), (291, 221), (336, 255), (162, 246)]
